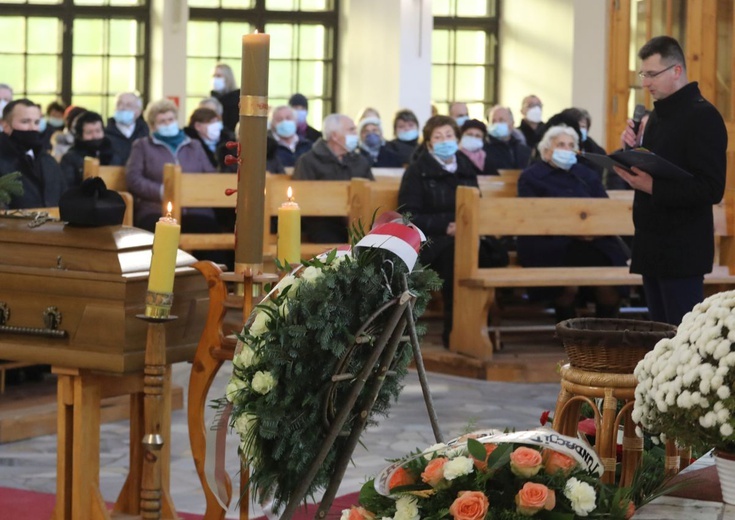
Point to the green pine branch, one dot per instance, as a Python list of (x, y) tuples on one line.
[(10, 186)]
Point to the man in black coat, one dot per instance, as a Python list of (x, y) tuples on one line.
[(21, 150), (126, 125), (673, 246)]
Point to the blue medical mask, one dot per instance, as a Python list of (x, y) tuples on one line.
[(408, 135), (286, 128), (470, 143), (214, 131), (564, 159), (55, 122), (42, 125), (372, 141), (168, 130), (461, 120), (351, 141), (583, 131), (445, 149), (124, 117), (499, 130), (301, 115)]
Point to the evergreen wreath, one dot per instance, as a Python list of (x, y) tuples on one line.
[(289, 350)]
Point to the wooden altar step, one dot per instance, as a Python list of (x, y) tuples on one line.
[(29, 410)]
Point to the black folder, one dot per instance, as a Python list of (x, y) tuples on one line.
[(655, 165)]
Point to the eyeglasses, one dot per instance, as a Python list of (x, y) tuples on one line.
[(651, 75)]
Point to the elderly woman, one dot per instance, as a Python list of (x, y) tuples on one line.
[(373, 147), (557, 174), (224, 89), (427, 194)]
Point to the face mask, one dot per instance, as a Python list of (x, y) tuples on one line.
[(583, 131), (445, 149), (214, 131), (499, 130), (124, 117), (372, 141), (168, 130), (301, 116), (408, 135), (3, 104), (91, 145), (461, 120), (26, 139), (55, 122), (42, 125), (564, 159), (218, 84), (470, 143), (351, 141), (286, 128), (533, 114)]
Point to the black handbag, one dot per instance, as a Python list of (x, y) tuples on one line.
[(91, 204)]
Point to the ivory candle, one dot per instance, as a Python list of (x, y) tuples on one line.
[(165, 248), (289, 231)]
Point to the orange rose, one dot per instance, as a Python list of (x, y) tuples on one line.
[(434, 472), (469, 505), (400, 478), (360, 513), (555, 462), (525, 462), (631, 510), (533, 497), (481, 465)]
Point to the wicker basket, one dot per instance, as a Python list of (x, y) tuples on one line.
[(610, 345)]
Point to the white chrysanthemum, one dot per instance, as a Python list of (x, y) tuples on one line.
[(436, 449), (263, 382), (345, 515), (581, 495), (723, 392), (458, 467), (726, 430), (233, 387), (407, 508), (260, 323), (311, 274)]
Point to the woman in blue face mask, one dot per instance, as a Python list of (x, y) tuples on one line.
[(559, 174), (406, 131), (427, 193)]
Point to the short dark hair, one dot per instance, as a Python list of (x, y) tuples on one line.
[(202, 115), (435, 122), (85, 118), (405, 115), (10, 106), (666, 46), (55, 106)]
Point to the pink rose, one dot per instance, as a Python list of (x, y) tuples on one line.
[(481, 465), (555, 462), (469, 505), (533, 497), (525, 462), (434, 472)]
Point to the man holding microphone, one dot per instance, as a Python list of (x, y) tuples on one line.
[(673, 247)]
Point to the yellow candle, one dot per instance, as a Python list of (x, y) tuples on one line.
[(163, 261), (289, 231)]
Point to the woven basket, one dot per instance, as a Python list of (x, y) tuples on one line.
[(610, 345)]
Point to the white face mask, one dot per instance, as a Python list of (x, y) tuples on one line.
[(214, 130), (3, 104), (533, 114), (218, 84)]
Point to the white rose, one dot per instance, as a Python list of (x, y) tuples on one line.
[(458, 467), (263, 382), (581, 495), (436, 449), (233, 387), (244, 424), (407, 508), (260, 323), (311, 273), (246, 357), (288, 281)]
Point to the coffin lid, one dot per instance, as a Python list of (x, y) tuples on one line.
[(109, 249)]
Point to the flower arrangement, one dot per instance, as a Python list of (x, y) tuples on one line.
[(685, 383), (494, 477), (296, 340)]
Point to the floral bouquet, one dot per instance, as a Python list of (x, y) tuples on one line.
[(685, 383), (298, 338), (494, 476)]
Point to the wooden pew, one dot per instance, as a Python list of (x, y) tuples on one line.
[(114, 177), (474, 287)]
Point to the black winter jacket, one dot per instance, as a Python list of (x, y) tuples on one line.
[(121, 144), (41, 176)]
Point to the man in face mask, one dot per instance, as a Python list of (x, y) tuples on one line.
[(332, 158), (459, 112), (300, 105), (126, 125), (21, 149), (504, 150), (532, 125), (89, 141), (6, 96), (290, 145)]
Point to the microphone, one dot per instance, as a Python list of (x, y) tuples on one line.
[(638, 114)]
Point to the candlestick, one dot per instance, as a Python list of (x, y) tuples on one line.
[(163, 266), (289, 231), (251, 173)]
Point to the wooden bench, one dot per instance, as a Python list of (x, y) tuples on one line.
[(114, 177), (474, 287)]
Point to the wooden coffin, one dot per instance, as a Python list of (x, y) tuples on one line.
[(69, 297)]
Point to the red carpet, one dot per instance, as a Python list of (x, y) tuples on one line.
[(31, 505)]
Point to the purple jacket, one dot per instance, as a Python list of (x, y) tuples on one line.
[(144, 171)]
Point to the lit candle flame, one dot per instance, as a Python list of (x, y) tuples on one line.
[(289, 194), (169, 208)]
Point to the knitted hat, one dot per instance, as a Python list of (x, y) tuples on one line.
[(299, 100), (474, 123), (369, 121)]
